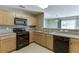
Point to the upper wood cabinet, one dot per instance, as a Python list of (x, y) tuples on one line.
[(6, 18), (31, 20), (20, 15)]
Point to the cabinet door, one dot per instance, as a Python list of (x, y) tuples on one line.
[(42, 39), (8, 45), (1, 17), (6, 18), (37, 37), (32, 21), (20, 15), (49, 41), (74, 45), (74, 48), (31, 37)]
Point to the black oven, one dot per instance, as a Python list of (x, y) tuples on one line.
[(22, 37)]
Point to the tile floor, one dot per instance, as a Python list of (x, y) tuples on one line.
[(33, 48)]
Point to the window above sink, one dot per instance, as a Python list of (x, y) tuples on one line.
[(71, 22)]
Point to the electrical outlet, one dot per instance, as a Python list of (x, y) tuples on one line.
[(65, 30)]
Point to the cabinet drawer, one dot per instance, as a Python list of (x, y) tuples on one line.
[(74, 41)]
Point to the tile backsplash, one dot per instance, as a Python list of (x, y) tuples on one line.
[(9, 28)]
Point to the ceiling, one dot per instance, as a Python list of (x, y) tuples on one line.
[(32, 9), (55, 11)]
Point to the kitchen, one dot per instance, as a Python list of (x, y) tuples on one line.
[(52, 30)]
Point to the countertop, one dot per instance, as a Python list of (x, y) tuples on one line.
[(71, 35), (52, 33), (66, 35), (7, 35)]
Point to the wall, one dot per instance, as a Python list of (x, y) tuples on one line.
[(54, 11), (40, 21)]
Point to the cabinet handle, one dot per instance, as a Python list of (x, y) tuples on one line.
[(71, 43)]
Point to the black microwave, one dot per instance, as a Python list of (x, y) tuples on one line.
[(20, 21)]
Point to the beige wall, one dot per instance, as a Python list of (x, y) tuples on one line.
[(40, 21)]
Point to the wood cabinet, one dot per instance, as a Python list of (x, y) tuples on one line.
[(43, 39), (37, 37), (6, 18), (74, 45), (49, 39), (7, 44), (20, 15), (31, 37), (32, 21)]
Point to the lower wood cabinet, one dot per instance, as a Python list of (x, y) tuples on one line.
[(7, 44), (74, 46), (31, 37), (49, 41), (43, 39), (46, 40), (37, 37)]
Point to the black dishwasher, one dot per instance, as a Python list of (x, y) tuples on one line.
[(60, 44)]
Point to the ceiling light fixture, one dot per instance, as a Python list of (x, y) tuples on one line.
[(21, 6), (43, 6)]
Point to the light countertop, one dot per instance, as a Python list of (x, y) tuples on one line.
[(7, 35), (62, 34), (66, 35)]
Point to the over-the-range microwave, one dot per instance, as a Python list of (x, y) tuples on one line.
[(20, 21)]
